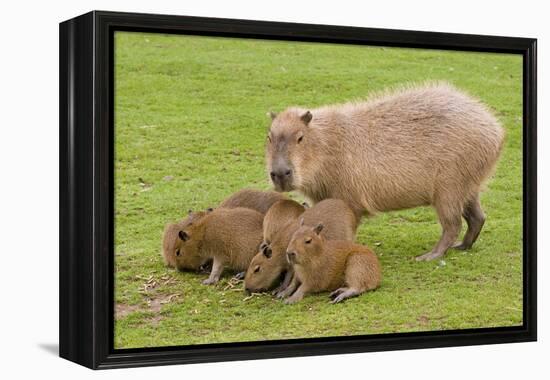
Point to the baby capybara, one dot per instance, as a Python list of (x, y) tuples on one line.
[(345, 268), (418, 146), (230, 237), (280, 223), (171, 240), (257, 200)]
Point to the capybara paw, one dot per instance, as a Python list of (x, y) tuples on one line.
[(209, 281), (335, 293), (290, 301), (275, 292), (281, 295), (429, 256), (345, 293), (339, 298), (461, 246), (239, 276)]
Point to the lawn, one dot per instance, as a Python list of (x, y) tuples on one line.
[(190, 127)]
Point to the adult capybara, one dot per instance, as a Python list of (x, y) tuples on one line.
[(280, 223), (427, 145), (257, 200), (346, 268), (228, 236)]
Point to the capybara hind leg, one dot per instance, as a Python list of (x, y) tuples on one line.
[(451, 221), (475, 218), (345, 293), (362, 272)]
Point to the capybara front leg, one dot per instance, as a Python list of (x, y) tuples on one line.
[(217, 270), (286, 281), (451, 222), (475, 218), (298, 295), (289, 289)]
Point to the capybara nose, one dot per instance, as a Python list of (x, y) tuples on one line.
[(280, 174), (291, 256)]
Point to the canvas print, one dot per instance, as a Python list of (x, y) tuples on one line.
[(269, 190)]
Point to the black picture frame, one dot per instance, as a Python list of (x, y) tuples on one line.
[(86, 189)]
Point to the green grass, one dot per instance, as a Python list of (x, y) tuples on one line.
[(190, 129)]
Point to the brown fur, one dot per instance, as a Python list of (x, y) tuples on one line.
[(171, 241), (320, 265), (228, 236), (257, 200), (280, 214), (280, 223), (427, 145)]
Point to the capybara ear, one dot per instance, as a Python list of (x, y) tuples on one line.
[(183, 235), (306, 117), (319, 228), (272, 115), (267, 252), (301, 222), (189, 211)]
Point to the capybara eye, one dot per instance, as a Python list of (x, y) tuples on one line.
[(177, 252), (308, 240), (183, 235), (300, 139), (257, 269)]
